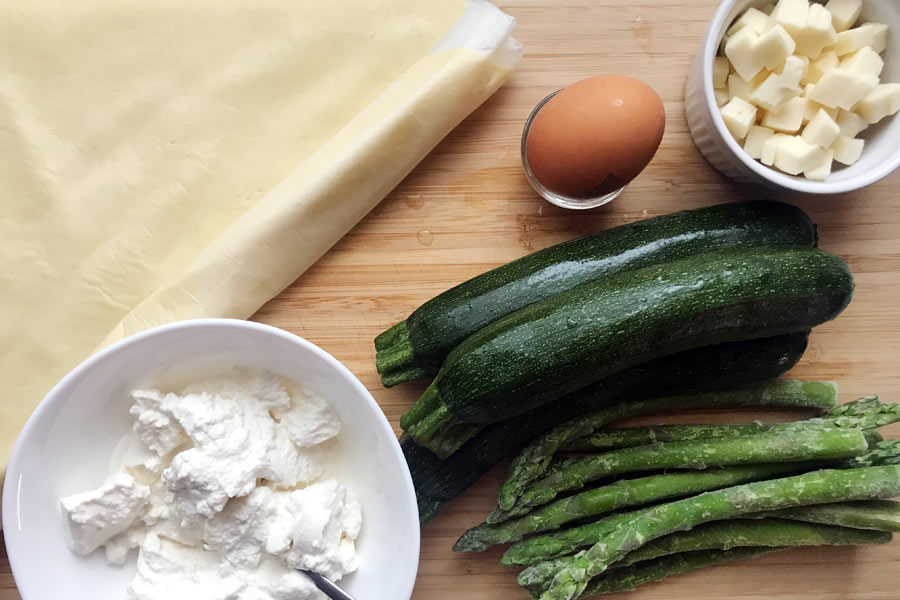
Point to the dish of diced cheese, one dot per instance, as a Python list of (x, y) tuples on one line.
[(798, 81)]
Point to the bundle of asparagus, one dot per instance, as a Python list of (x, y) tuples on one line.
[(717, 493)]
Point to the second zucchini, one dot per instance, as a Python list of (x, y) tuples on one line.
[(577, 337)]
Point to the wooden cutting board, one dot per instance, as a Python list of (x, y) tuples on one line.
[(468, 208)]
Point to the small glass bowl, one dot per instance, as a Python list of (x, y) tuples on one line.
[(571, 202)]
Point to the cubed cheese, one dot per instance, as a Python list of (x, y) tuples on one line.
[(794, 155), (883, 101), (772, 47), (791, 14), (829, 60), (813, 107), (844, 13), (742, 89), (851, 124), (788, 118), (792, 71), (739, 115), (721, 68), (847, 151), (756, 139), (843, 89), (738, 88), (864, 60), (823, 170), (770, 147), (722, 97), (879, 36), (771, 95), (816, 33), (756, 20), (859, 37), (822, 130), (740, 51)]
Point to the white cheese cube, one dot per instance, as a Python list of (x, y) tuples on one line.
[(813, 107), (772, 47), (829, 60), (823, 170), (756, 140), (722, 97), (788, 118), (756, 20), (883, 101), (822, 130), (851, 124), (843, 89), (791, 14), (844, 13), (847, 151), (771, 95), (816, 33), (791, 71), (738, 88), (879, 36), (721, 68), (770, 148), (864, 60), (794, 155), (740, 51), (860, 37), (739, 115)]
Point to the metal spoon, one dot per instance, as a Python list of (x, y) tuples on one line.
[(327, 586)]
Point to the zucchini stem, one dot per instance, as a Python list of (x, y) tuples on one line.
[(394, 357), (390, 336), (429, 402), (431, 424)]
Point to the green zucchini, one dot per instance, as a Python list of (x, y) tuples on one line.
[(577, 337), (701, 369), (416, 347)]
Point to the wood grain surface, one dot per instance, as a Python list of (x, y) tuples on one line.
[(468, 208)]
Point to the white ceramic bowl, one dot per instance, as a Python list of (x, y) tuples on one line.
[(67, 444), (882, 152)]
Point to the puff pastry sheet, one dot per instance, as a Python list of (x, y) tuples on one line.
[(171, 160)]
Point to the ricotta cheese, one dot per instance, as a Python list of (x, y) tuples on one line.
[(218, 486), (308, 419), (93, 518)]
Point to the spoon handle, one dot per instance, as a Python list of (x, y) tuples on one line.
[(327, 586)]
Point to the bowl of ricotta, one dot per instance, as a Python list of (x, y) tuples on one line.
[(209, 459)]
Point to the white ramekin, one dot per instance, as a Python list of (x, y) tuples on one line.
[(882, 152)]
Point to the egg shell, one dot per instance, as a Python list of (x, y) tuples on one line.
[(595, 136)]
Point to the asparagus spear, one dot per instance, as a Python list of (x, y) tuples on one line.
[(621, 494), (882, 515), (818, 487), (723, 535), (865, 413), (568, 541), (534, 459), (630, 578), (774, 446), (629, 437)]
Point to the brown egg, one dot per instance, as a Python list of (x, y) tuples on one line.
[(595, 136)]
